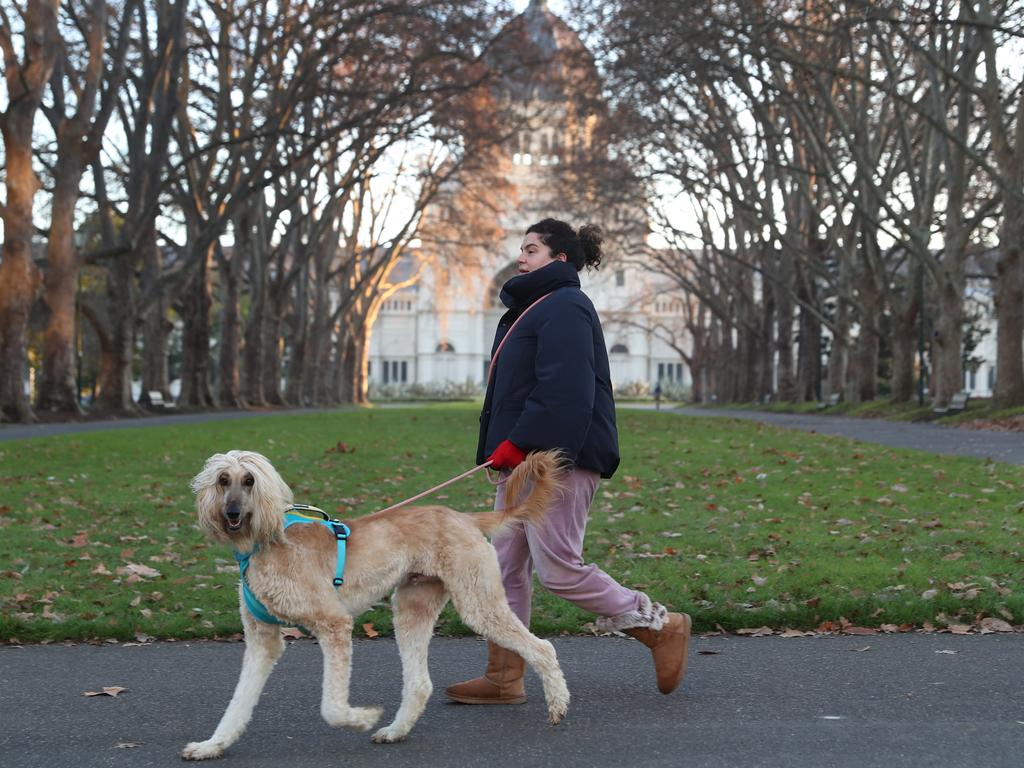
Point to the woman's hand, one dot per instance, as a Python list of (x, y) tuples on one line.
[(507, 455)]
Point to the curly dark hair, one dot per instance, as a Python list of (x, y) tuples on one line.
[(582, 248)]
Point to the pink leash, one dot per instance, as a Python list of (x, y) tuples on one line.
[(486, 464), (438, 487)]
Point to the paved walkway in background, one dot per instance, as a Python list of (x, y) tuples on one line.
[(23, 431), (983, 444), (905, 701), (999, 446)]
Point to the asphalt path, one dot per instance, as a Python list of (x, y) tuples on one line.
[(26, 431), (907, 700), (1005, 447)]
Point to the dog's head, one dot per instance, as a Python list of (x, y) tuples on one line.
[(240, 498)]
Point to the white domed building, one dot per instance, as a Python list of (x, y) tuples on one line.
[(439, 331)]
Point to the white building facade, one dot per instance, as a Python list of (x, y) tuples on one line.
[(439, 332)]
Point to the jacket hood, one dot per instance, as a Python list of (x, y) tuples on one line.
[(522, 290)]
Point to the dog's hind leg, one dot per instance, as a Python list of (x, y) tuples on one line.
[(416, 608), (335, 640), (486, 611), (263, 647)]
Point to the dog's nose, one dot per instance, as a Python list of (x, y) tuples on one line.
[(232, 510)]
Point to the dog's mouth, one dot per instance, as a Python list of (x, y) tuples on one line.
[(233, 524)]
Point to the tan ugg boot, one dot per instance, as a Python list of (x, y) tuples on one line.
[(669, 646), (502, 683)]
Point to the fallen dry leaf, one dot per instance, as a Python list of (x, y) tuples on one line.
[(138, 569), (795, 633), (109, 690), (991, 624), (860, 631), (948, 652), (370, 631), (127, 744), (756, 632), (292, 632), (960, 629)]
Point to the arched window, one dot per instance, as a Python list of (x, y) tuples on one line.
[(445, 346), (619, 349)]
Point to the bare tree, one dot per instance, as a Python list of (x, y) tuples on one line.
[(26, 78), (92, 85)]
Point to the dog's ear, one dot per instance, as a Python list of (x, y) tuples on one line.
[(204, 486), (271, 496)]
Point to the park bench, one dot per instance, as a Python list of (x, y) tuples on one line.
[(957, 403), (157, 402), (833, 399)]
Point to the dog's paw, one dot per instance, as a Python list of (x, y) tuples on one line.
[(557, 709), (202, 750), (355, 718), (388, 735)]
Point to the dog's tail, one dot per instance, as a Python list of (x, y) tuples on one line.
[(543, 471)]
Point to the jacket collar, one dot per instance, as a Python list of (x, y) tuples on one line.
[(522, 290)]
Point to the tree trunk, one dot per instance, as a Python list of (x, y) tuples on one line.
[(765, 351), (1009, 301), (294, 385), (253, 351), (195, 366), (808, 384), (784, 329), (57, 390), (115, 385), (20, 278), (272, 344), (903, 342), (230, 389), (947, 344), (355, 354), (156, 327)]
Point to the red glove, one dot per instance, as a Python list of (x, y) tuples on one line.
[(507, 455)]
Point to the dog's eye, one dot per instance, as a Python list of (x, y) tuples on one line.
[(249, 481), (223, 480)]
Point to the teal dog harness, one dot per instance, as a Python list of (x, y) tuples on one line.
[(295, 514)]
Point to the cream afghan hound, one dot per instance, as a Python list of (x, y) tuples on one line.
[(424, 555)]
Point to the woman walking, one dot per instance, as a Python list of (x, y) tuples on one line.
[(550, 387)]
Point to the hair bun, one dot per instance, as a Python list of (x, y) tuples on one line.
[(591, 237)]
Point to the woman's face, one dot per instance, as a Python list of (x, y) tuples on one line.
[(533, 254)]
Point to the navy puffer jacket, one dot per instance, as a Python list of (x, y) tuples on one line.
[(552, 385)]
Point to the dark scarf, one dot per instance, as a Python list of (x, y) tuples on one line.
[(522, 290)]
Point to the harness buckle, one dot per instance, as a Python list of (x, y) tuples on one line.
[(309, 510), (341, 531), (338, 581)]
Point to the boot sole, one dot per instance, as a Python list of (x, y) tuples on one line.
[(472, 700)]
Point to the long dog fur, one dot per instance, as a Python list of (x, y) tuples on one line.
[(423, 555)]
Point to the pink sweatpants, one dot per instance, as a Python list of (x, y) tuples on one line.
[(555, 549)]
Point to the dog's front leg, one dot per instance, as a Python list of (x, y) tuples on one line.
[(263, 647), (336, 642), (416, 607)]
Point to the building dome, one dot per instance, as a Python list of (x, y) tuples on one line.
[(540, 57)]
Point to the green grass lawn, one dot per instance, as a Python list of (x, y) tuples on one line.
[(739, 524)]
